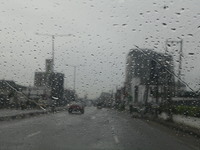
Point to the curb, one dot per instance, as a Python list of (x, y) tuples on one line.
[(28, 115), (170, 124), (180, 127), (21, 116)]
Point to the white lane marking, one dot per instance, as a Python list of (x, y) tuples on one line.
[(33, 134), (93, 117), (116, 139)]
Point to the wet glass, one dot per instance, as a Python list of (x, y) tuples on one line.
[(108, 74)]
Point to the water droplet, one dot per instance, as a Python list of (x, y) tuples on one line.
[(165, 7), (190, 35), (115, 24), (190, 53), (173, 29)]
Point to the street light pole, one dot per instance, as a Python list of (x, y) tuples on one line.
[(74, 78), (74, 85)]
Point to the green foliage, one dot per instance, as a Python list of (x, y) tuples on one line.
[(121, 107), (193, 111)]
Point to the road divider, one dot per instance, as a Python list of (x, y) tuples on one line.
[(23, 115)]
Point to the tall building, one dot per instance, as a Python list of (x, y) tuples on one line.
[(51, 80), (41, 79), (149, 76), (57, 85)]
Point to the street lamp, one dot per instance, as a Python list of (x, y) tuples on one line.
[(74, 66)]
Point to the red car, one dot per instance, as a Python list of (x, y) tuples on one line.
[(75, 107)]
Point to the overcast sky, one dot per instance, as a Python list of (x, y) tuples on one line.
[(105, 31)]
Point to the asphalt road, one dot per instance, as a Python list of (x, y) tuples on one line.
[(98, 129)]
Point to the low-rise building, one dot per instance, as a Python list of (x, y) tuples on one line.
[(105, 99), (10, 94)]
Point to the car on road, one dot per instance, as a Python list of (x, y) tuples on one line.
[(99, 106), (76, 107)]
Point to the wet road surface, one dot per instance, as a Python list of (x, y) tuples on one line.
[(98, 129)]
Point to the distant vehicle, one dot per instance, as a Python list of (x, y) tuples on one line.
[(99, 106), (75, 107)]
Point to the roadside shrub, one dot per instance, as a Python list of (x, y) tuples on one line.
[(121, 107), (193, 111)]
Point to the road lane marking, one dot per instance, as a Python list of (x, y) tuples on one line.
[(116, 139), (93, 117), (33, 134)]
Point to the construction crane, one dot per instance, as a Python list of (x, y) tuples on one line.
[(53, 39)]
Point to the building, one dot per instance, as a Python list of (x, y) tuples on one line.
[(10, 94), (149, 77), (53, 81), (105, 99), (70, 95), (180, 89), (120, 98), (36, 93), (57, 86), (42, 79)]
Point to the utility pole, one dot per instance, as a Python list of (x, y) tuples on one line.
[(53, 41), (74, 82), (74, 85), (74, 78), (180, 59)]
